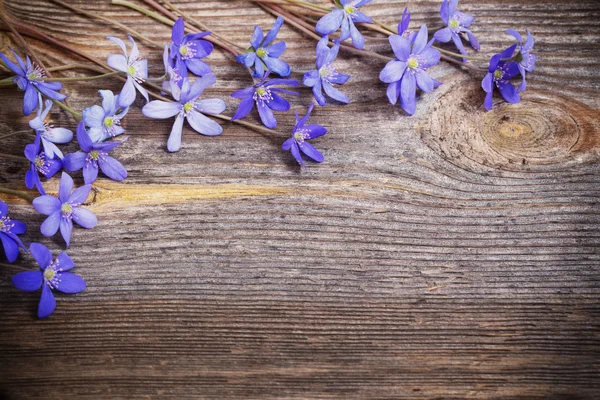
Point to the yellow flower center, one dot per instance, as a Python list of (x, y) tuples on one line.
[(49, 274), (413, 63), (261, 52)]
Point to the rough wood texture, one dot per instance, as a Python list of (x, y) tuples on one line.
[(453, 254)]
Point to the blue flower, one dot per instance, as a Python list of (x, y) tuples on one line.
[(48, 133), (456, 23), (39, 163), (345, 15), (408, 71), (104, 122), (28, 80), (189, 107), (266, 98), (525, 60), (499, 73), (52, 275), (300, 134), (326, 74), (9, 229), (187, 50), (65, 209), (135, 68), (263, 54), (94, 156)]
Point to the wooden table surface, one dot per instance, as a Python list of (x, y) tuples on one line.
[(453, 254)]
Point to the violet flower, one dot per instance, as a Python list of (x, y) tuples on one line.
[(28, 80), (48, 133), (266, 98), (65, 209), (500, 72), (300, 134), (39, 163), (52, 275), (189, 107), (94, 156), (456, 23), (264, 55), (187, 50), (9, 229), (408, 71), (326, 74), (525, 60), (345, 15), (104, 122), (135, 68)]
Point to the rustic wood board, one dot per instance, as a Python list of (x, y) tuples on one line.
[(452, 254)]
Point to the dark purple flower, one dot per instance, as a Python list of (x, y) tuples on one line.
[(135, 68), (189, 107), (525, 60), (94, 156), (65, 209), (40, 163), (48, 133), (264, 55), (300, 134), (9, 229), (28, 80), (187, 50), (326, 74), (52, 275), (408, 71), (345, 15), (500, 72), (266, 98), (457, 23), (105, 122)]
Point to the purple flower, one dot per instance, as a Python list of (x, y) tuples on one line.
[(52, 275), (266, 98), (40, 163), (28, 80), (300, 134), (104, 122), (189, 107), (187, 50), (65, 209), (94, 156), (525, 60), (135, 68), (345, 16), (326, 74), (263, 54), (500, 72), (457, 23), (408, 71), (48, 133), (9, 229)]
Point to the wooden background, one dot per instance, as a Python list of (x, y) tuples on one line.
[(449, 255)]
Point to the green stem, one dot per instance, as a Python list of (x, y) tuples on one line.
[(18, 193), (83, 78), (68, 109)]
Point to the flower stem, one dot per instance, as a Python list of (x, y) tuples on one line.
[(18, 193), (83, 78), (68, 109)]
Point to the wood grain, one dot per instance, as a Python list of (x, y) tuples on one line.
[(449, 255)]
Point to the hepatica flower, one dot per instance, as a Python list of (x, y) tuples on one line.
[(266, 98), (28, 80), (263, 54), (105, 122), (326, 74), (188, 107), (135, 68), (456, 24), (9, 229), (344, 16), (65, 209), (300, 134), (499, 74), (525, 60), (39, 163), (52, 275), (48, 133), (93, 157), (409, 70), (187, 50)]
